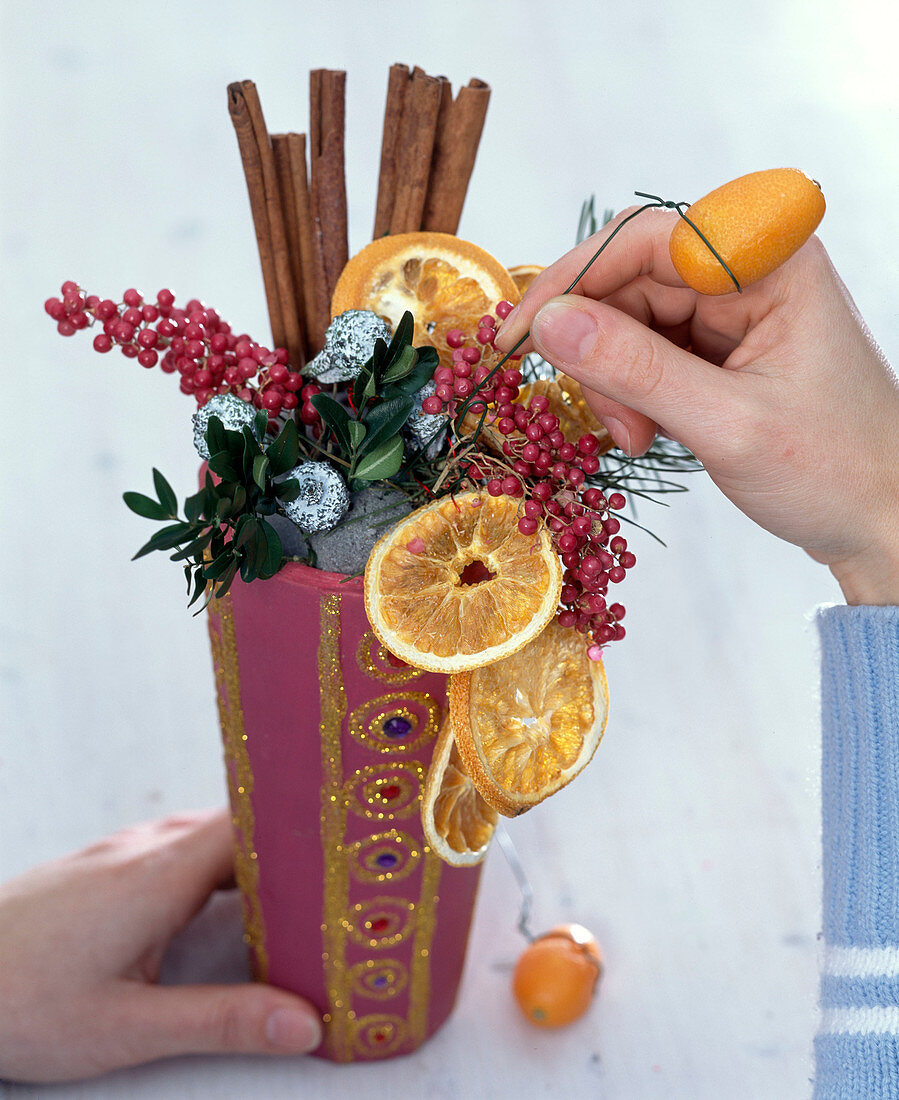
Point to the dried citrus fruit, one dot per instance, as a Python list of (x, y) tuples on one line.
[(524, 275), (457, 822), (455, 585), (526, 725), (555, 977), (446, 283), (754, 223)]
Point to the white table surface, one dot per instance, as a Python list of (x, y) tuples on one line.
[(690, 846)]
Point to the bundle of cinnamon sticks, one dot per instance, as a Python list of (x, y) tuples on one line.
[(428, 150)]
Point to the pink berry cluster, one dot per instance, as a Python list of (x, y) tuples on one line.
[(548, 472), (472, 363), (193, 342)]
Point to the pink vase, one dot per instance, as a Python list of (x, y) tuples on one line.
[(327, 745)]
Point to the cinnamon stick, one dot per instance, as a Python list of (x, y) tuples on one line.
[(253, 173), (455, 148), (293, 339), (296, 150), (292, 190), (327, 94), (397, 88), (416, 146)]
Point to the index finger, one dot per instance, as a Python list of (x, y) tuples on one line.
[(639, 248)]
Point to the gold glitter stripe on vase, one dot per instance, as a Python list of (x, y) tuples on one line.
[(240, 777), (333, 706), (420, 977)]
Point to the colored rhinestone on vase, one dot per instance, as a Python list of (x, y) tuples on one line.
[(387, 859), (397, 727)]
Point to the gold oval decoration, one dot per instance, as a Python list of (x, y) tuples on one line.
[(383, 792), (400, 721), (374, 661), (384, 857), (379, 979), (381, 922), (378, 1035)]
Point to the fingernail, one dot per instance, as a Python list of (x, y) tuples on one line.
[(564, 332), (291, 1030), (509, 319), (619, 433)]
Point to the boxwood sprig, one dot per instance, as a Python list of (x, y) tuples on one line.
[(225, 529), (381, 400)]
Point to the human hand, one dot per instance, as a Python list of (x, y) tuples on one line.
[(81, 943), (780, 391)]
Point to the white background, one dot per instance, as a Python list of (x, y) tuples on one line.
[(690, 846)]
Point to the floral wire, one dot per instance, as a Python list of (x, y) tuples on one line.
[(677, 206), (521, 879), (656, 202)]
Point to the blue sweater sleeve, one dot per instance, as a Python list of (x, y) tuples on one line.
[(857, 1046)]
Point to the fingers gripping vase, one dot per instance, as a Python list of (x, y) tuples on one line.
[(327, 745)]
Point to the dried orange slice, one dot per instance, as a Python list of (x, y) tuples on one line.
[(457, 822), (445, 283), (455, 585), (524, 275), (525, 726)]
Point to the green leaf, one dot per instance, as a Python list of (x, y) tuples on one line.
[(145, 506), (274, 551), (222, 509), (260, 469), (402, 334), (401, 366), (288, 490), (239, 497), (357, 432), (224, 464), (420, 376), (381, 463), (225, 582), (166, 539), (216, 436), (199, 586), (251, 450), (384, 421), (284, 452), (193, 549), (367, 372), (260, 425), (165, 493), (245, 531), (369, 390), (335, 416), (196, 506), (218, 566)]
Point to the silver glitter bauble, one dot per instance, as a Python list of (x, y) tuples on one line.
[(323, 498), (422, 429), (349, 344), (232, 411)]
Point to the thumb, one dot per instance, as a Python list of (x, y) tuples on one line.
[(641, 378), (252, 1018)]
